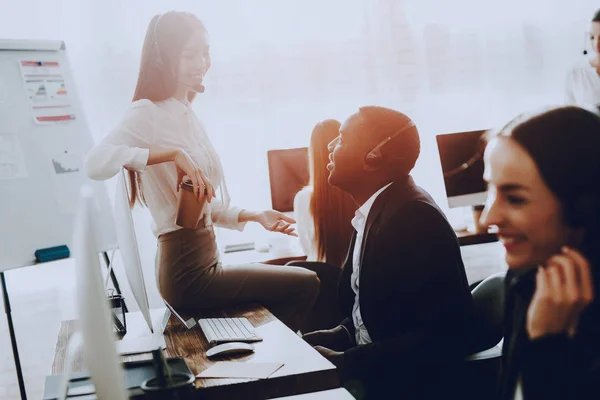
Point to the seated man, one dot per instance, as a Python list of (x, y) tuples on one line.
[(403, 288)]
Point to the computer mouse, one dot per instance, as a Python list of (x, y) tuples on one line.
[(229, 349)]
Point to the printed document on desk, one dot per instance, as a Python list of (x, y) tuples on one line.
[(237, 369)]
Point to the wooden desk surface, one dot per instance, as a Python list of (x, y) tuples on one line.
[(304, 370)]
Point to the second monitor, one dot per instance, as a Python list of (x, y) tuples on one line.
[(288, 174), (461, 156)]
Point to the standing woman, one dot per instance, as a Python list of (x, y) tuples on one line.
[(583, 81), (160, 141), (544, 196)]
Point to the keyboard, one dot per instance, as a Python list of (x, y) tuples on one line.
[(222, 330)]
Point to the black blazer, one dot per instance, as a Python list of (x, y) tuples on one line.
[(554, 366), (414, 294)]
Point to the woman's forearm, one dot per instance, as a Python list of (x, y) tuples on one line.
[(247, 216), (161, 155)]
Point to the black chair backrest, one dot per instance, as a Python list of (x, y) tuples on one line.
[(326, 312), (488, 299)]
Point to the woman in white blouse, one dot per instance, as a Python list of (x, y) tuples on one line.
[(583, 81), (159, 141), (323, 212)]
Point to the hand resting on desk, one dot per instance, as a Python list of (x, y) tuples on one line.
[(336, 339), (331, 344)]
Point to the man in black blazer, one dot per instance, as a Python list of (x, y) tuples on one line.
[(403, 289)]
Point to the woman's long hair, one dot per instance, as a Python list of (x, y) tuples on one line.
[(165, 39), (331, 208)]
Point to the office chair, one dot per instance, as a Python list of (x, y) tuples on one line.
[(488, 300), (326, 311), (481, 368)]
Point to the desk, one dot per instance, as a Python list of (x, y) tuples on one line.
[(305, 370), (253, 256), (287, 248), (467, 238), (280, 247)]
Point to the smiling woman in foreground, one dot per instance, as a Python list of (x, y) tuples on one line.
[(544, 196)]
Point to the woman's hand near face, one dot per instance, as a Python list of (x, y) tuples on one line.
[(564, 288)]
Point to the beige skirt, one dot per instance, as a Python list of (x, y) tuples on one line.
[(190, 276), (184, 260)]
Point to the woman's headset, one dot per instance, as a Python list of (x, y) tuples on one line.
[(159, 61)]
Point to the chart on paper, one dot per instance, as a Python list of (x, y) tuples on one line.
[(66, 162), (47, 93)]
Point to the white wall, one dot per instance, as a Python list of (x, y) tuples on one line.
[(280, 67)]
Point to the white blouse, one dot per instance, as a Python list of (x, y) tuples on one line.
[(305, 226), (166, 124), (583, 86)]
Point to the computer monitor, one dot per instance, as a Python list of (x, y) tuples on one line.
[(461, 156), (288, 174), (95, 324), (135, 276)]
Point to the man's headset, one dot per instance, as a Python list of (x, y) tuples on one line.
[(159, 61), (374, 158)]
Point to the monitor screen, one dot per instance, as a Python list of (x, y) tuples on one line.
[(288, 174), (461, 156)]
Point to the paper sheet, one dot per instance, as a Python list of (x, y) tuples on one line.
[(12, 160), (47, 93), (236, 369)]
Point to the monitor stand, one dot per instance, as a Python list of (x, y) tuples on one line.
[(138, 338), (189, 324)]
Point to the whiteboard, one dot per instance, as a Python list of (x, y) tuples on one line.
[(41, 155)]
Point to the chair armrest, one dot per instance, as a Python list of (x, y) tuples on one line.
[(284, 260), (491, 353)]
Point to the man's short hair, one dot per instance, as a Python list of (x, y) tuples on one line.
[(384, 122)]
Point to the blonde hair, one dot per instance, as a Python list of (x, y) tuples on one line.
[(331, 208)]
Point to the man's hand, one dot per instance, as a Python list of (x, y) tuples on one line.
[(336, 339)]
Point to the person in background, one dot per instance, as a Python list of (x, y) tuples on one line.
[(543, 173), (160, 141), (403, 291), (583, 81), (323, 212)]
